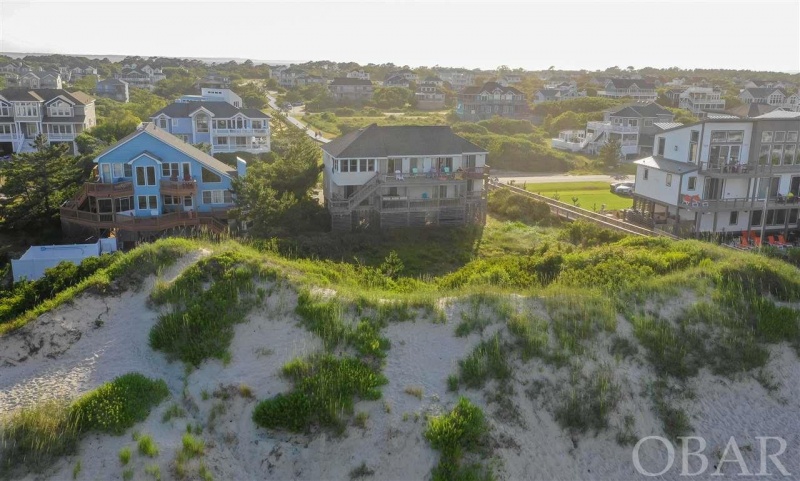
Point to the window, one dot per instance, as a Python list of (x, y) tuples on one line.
[(148, 202), (763, 155), (162, 122), (695, 136), (174, 122), (793, 217), (128, 169), (646, 174), (734, 218), (790, 136), (59, 109), (123, 204), (648, 122), (217, 197), (170, 169), (146, 175), (201, 123), (5, 110), (669, 180), (187, 201), (7, 129), (118, 170), (662, 142), (209, 177), (692, 183), (719, 136), (766, 136), (790, 155), (755, 217), (776, 155), (780, 136)]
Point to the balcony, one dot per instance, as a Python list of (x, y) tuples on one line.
[(178, 187), (610, 127), (12, 137), (737, 204), (60, 137), (734, 169), (263, 131), (474, 173), (109, 190), (253, 148)]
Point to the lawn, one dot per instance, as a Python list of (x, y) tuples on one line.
[(590, 195)]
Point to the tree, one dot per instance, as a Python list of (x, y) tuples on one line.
[(611, 153), (274, 197), (392, 97), (35, 184)]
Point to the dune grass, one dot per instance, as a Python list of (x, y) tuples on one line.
[(34, 437), (461, 431)]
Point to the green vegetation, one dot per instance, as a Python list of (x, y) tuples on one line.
[(201, 323), (588, 195), (324, 387), (126, 270), (34, 437), (125, 455), (461, 431), (147, 446), (192, 446)]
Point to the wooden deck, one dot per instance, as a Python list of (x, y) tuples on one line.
[(141, 224)]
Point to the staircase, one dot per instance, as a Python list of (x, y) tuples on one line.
[(365, 191)]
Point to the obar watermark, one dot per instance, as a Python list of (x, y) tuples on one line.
[(694, 460)]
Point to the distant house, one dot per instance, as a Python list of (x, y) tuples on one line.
[(772, 96), (215, 80), (358, 74), (490, 99), (26, 113), (50, 80), (287, 78), (141, 79), (458, 80), (397, 81), (510, 79), (429, 97), (399, 176), (558, 92), (209, 119), (698, 100), (637, 90), (114, 89), (351, 89), (632, 126), (777, 84), (151, 183)]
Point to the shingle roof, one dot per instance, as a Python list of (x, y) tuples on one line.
[(45, 95), (399, 140), (650, 109), (218, 109), (667, 125), (113, 81), (779, 114), (490, 87), (624, 83), (149, 128), (763, 92), (548, 92), (753, 109), (255, 114), (667, 165), (350, 81)]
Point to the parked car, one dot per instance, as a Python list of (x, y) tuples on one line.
[(615, 185), (624, 190)]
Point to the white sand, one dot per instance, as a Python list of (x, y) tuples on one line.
[(75, 356)]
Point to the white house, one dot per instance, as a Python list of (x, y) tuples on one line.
[(698, 100), (403, 176), (723, 176), (637, 89)]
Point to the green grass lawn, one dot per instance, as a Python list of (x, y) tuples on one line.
[(590, 195)]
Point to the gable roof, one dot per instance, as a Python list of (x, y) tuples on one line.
[(624, 83), (149, 128), (650, 109), (217, 108), (489, 87), (45, 95), (350, 81), (399, 140), (112, 81), (753, 109), (763, 92)]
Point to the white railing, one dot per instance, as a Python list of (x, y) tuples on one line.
[(59, 136), (240, 148), (12, 137), (609, 127), (567, 145), (241, 131)]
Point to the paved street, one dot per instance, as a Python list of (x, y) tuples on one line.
[(310, 132)]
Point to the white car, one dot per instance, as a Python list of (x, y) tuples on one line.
[(624, 190)]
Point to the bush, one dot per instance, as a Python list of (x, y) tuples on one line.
[(509, 205), (324, 388), (117, 405), (460, 431)]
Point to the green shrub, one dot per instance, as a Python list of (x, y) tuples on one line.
[(125, 455), (147, 446), (117, 405), (487, 361), (324, 388), (34, 437), (589, 403), (460, 431), (192, 446)]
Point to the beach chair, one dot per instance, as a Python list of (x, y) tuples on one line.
[(771, 241), (414, 172), (687, 199), (398, 175), (782, 240), (756, 241), (743, 242)]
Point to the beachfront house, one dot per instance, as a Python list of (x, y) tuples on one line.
[(490, 99), (397, 176), (723, 176), (637, 89), (151, 183)]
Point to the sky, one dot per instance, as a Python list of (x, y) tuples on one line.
[(568, 34)]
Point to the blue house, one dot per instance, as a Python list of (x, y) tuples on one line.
[(151, 183), (216, 118)]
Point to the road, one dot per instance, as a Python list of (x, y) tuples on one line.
[(542, 179), (300, 125)]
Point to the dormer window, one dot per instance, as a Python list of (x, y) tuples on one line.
[(5, 110), (59, 109), (162, 122)]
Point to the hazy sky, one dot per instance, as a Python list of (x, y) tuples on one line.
[(757, 35)]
